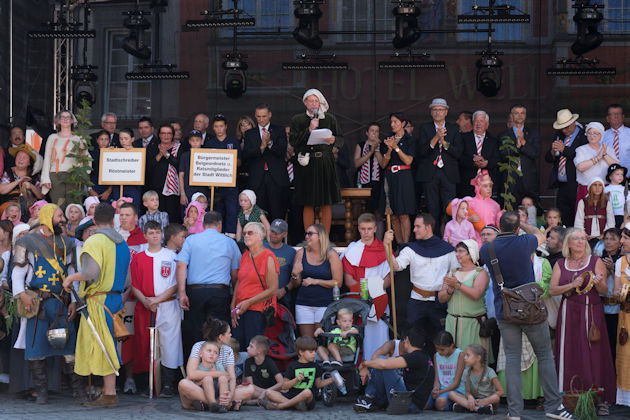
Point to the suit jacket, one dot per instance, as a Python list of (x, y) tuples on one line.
[(489, 151), (273, 156), (137, 143), (569, 153), (529, 154), (426, 155)]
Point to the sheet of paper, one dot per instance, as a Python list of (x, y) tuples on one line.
[(317, 136)]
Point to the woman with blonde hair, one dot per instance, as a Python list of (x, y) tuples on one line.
[(316, 270), (57, 163), (582, 346)]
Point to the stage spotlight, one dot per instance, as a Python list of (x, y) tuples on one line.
[(489, 74), (84, 84), (587, 19), (307, 32), (407, 31), (134, 43), (234, 79)]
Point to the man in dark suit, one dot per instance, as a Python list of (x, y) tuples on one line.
[(108, 123), (527, 143), (568, 138), (265, 150), (438, 150), (145, 134), (481, 151)]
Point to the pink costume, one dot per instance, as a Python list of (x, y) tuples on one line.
[(456, 232)]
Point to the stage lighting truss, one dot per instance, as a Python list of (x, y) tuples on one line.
[(489, 73), (315, 62), (216, 19), (307, 13), (157, 72), (493, 13), (580, 67), (411, 61), (62, 34)]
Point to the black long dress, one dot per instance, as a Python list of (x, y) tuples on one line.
[(315, 184)]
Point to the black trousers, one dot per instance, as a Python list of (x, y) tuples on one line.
[(427, 313), (271, 197), (204, 302), (170, 204), (565, 202), (438, 193)]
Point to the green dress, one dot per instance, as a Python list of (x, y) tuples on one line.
[(462, 310), (315, 184)]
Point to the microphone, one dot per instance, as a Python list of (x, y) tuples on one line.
[(557, 152), (315, 113)]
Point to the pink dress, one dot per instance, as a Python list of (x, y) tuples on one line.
[(455, 232), (575, 354), (487, 209)]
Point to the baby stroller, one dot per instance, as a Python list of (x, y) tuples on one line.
[(350, 364), (281, 337)]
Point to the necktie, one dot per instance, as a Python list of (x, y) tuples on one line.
[(290, 171), (264, 130), (616, 144), (439, 162), (562, 163), (479, 141)]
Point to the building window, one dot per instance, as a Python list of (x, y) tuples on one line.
[(128, 99), (503, 31), (361, 15), (269, 14), (616, 16)]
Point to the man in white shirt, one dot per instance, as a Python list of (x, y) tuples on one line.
[(617, 137), (430, 259)]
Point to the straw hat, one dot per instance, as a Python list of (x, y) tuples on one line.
[(564, 119)]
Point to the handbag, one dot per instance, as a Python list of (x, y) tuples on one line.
[(522, 304), (118, 322), (23, 313), (269, 313), (487, 326)]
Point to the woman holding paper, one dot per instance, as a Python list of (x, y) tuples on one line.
[(162, 176), (316, 183)]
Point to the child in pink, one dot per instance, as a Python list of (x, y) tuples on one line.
[(459, 228)]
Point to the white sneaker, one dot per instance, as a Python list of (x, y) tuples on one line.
[(130, 386), (561, 413)]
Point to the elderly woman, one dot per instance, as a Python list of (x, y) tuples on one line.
[(595, 212), (20, 183), (192, 395), (464, 291), (623, 348), (162, 164), (581, 339), (591, 160), (316, 183), (256, 286), (57, 163), (316, 269)]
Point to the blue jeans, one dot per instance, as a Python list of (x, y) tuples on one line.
[(382, 382), (538, 336)]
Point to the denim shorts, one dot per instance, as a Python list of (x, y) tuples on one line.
[(431, 402)]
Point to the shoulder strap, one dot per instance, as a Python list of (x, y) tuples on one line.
[(494, 261), (267, 302)]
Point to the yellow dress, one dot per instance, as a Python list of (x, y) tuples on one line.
[(112, 256), (623, 352)]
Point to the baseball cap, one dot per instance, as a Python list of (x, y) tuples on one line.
[(279, 226)]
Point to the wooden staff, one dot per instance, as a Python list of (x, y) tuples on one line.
[(388, 214), (121, 192), (211, 198)]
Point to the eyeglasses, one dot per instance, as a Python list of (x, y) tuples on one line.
[(309, 233), (249, 233), (244, 124), (593, 134)]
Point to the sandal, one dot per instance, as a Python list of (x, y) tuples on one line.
[(236, 405), (269, 405), (213, 407), (603, 409), (198, 406)]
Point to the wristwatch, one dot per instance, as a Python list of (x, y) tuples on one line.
[(397, 150)]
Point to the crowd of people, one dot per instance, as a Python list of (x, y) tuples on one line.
[(209, 272)]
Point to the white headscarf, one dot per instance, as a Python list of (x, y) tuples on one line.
[(22, 227), (323, 103), (473, 249), (597, 126), (251, 195)]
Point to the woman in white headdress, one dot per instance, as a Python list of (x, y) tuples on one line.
[(316, 183)]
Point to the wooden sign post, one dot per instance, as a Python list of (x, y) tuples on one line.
[(122, 167), (213, 168)]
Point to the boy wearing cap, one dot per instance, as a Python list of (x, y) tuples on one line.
[(195, 138), (285, 255), (616, 177)]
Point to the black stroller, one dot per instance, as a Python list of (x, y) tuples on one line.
[(350, 364)]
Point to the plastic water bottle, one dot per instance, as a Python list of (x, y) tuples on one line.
[(335, 292), (339, 381)]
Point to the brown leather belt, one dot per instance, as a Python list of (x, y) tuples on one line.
[(424, 293), (609, 300), (208, 286)]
